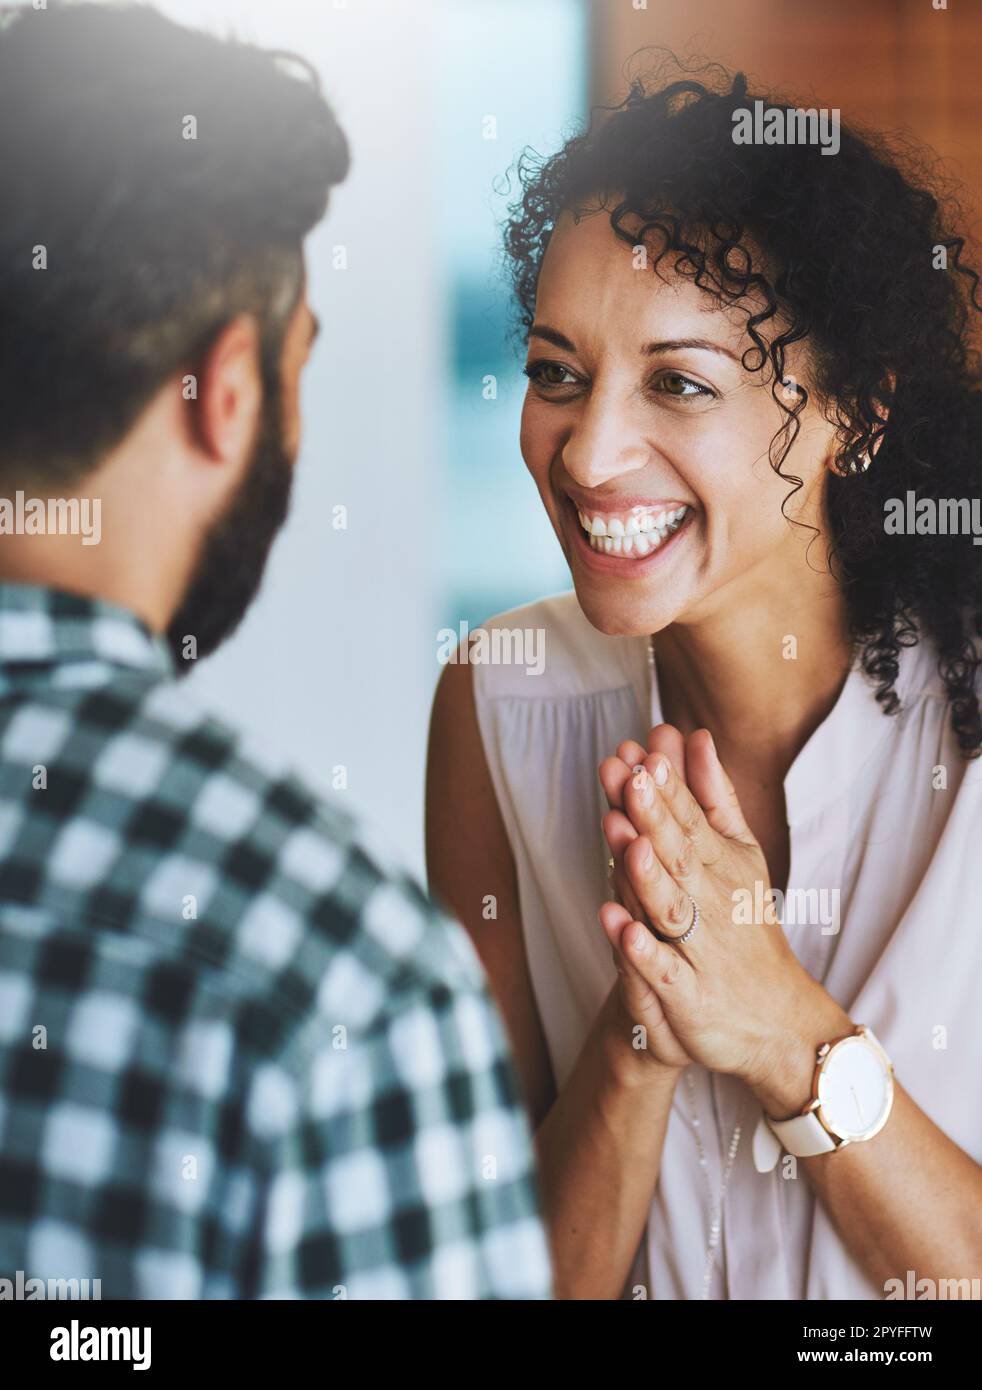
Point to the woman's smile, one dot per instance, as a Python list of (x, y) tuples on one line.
[(628, 541)]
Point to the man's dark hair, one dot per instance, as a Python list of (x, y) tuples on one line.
[(153, 240)]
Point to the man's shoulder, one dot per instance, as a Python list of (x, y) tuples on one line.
[(332, 909), (234, 867)]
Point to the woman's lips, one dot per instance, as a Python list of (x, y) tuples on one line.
[(626, 566)]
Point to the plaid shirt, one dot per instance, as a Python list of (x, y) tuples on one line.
[(240, 1053)]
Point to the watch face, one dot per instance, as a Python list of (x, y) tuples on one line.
[(854, 1088)]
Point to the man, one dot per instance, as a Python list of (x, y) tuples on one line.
[(239, 1056)]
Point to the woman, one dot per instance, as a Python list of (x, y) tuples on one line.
[(739, 357)]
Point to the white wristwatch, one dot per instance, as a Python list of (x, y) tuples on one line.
[(852, 1094)]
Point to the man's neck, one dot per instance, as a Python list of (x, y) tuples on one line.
[(140, 560), (59, 562)]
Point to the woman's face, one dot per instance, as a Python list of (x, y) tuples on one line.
[(640, 420)]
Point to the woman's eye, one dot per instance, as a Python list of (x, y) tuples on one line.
[(549, 374), (679, 386)]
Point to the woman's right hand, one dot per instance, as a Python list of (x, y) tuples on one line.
[(639, 1004)]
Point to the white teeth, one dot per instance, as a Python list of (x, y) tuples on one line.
[(640, 533)]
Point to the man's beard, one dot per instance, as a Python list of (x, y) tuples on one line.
[(234, 552)]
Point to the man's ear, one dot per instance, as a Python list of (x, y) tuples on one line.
[(229, 391)]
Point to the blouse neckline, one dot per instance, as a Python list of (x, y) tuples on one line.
[(837, 750)]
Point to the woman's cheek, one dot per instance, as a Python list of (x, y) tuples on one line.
[(539, 442), (530, 429)]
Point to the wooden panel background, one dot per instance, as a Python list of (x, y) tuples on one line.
[(898, 65)]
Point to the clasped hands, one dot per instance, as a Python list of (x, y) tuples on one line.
[(733, 997)]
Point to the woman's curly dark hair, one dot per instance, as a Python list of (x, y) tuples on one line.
[(856, 256)]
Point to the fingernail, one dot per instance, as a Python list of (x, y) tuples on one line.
[(647, 854), (640, 940), (645, 790), (661, 772)]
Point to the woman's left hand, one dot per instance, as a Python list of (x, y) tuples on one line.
[(734, 995)]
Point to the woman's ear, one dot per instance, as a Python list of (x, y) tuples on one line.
[(845, 464), (883, 413)]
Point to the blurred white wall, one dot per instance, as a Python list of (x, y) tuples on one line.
[(335, 662)]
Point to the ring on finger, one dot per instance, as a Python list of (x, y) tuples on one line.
[(690, 929)]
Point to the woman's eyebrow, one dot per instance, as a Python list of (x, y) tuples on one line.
[(551, 335), (677, 344)]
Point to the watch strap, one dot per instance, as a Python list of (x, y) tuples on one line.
[(772, 1137), (803, 1135), (766, 1147)]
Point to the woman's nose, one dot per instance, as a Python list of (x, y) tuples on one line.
[(604, 445)]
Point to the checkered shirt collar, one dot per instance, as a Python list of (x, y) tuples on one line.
[(50, 628)]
